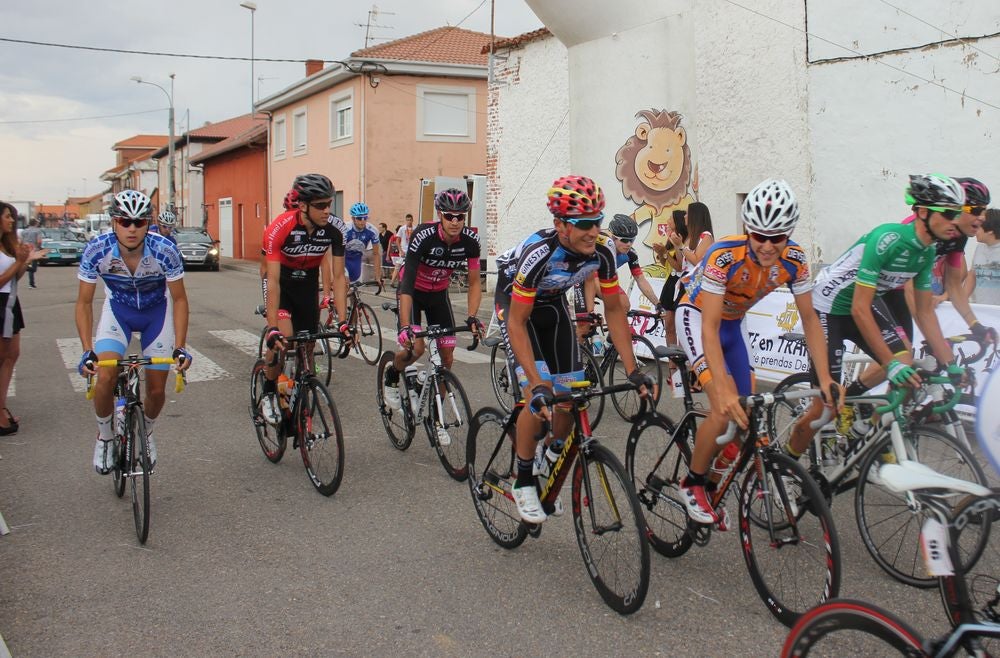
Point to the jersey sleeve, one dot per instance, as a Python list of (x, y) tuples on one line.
[(607, 269), (274, 236), (800, 281), (877, 244), (715, 268), (92, 254), (414, 252), (633, 263), (169, 257), (473, 249), (530, 268), (338, 245)]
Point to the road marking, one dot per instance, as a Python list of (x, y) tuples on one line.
[(202, 368), (243, 340)]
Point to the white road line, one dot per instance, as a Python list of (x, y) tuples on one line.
[(243, 340), (70, 350), (203, 369)]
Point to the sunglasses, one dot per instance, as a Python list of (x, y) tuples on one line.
[(585, 224), (126, 222), (773, 239), (323, 205), (454, 217), (625, 240), (948, 213), (974, 210)]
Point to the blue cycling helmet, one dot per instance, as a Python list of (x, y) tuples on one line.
[(359, 209)]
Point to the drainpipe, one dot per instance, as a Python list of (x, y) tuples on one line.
[(364, 141)]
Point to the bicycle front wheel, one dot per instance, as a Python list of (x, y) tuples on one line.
[(782, 415), (398, 420), (368, 332), (270, 437), (844, 627), (609, 529), (789, 542), (627, 402), (889, 527), (447, 423), (138, 476), (120, 468), (592, 373), (504, 384), (323, 354), (321, 441), (492, 469)]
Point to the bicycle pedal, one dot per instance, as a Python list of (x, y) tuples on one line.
[(534, 529), (700, 534)]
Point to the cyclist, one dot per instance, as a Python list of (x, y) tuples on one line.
[(848, 294), (298, 244), (736, 273), (535, 320), (164, 225), (139, 268), (361, 237), (290, 202), (435, 251)]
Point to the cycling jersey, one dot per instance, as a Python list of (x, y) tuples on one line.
[(884, 259), (300, 253), (631, 258), (356, 244), (730, 269), (155, 228), (142, 289), (430, 260)]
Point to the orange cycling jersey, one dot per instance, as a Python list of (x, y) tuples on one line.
[(730, 269)]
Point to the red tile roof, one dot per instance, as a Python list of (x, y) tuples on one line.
[(226, 145), (519, 40), (227, 128), (142, 142), (452, 45)]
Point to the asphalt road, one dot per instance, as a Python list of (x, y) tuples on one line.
[(245, 558)]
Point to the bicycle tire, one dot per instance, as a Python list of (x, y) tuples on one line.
[(321, 439), (457, 412), (845, 627), (139, 470), (398, 423), (818, 564), (369, 333), (504, 386), (323, 355), (889, 529), (627, 403), (118, 479), (592, 373), (271, 438), (782, 415), (260, 343), (657, 463), (490, 480), (605, 500)]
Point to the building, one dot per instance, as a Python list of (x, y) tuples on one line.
[(134, 168)]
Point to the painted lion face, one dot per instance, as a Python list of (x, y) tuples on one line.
[(660, 164)]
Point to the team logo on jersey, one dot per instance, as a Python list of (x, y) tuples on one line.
[(787, 319), (885, 242), (725, 258), (795, 254), (437, 251), (297, 237)]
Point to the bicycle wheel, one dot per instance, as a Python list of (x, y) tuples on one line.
[(627, 402), (609, 529), (120, 467), (889, 528), (138, 477), (271, 438), (789, 540), (450, 412), (504, 385), (657, 463), (369, 333), (492, 469), (260, 343), (321, 440), (323, 355), (844, 627), (782, 415), (592, 373), (399, 424)]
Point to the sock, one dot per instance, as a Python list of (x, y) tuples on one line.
[(391, 375), (788, 450), (104, 430), (693, 479), (270, 386), (149, 424), (524, 476), (855, 388)]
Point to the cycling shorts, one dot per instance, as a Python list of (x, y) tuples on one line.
[(895, 301), (298, 302), (735, 347), (838, 328), (436, 307), (155, 325), (553, 343)]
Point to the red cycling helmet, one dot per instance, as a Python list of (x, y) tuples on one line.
[(573, 196), (291, 201)]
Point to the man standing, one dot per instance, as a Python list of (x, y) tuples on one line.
[(33, 236), (985, 284), (403, 234)]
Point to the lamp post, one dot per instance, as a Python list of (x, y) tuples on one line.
[(252, 6), (171, 197)]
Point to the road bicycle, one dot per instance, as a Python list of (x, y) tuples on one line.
[(606, 516), (787, 533), (971, 595), (131, 460), (367, 330), (432, 396), (308, 415)]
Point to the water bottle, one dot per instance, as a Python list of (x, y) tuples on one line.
[(119, 426), (412, 382), (598, 343), (828, 445), (723, 461), (422, 377), (545, 458)]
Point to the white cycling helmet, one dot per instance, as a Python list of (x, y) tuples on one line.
[(167, 218), (131, 204), (771, 208)]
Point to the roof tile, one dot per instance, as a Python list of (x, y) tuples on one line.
[(452, 45), (142, 141), (519, 40)]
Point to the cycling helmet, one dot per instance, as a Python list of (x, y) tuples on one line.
[(313, 186), (167, 218), (623, 226), (359, 209), (771, 208), (934, 190), (573, 196), (976, 194), (131, 204), (452, 200), (291, 201)]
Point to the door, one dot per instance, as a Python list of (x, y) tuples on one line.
[(226, 227)]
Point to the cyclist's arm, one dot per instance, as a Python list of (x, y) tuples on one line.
[(861, 311), (958, 293), (646, 287), (273, 291), (179, 296), (475, 294), (85, 314), (339, 284), (615, 307), (326, 275), (927, 320), (723, 389)]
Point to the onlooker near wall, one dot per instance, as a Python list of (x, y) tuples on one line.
[(985, 279)]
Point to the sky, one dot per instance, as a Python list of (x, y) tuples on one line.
[(45, 159)]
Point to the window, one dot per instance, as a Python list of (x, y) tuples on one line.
[(342, 119), (446, 114), (299, 131), (279, 139)]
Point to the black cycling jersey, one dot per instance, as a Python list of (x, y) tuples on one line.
[(430, 260)]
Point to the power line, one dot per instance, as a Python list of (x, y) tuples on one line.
[(964, 42), (105, 116), (535, 164)]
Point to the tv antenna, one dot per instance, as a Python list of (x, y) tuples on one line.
[(373, 15)]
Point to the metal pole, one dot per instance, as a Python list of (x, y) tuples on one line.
[(253, 10), (170, 177)]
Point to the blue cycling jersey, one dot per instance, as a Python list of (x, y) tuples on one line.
[(355, 244), (147, 286), (155, 228)]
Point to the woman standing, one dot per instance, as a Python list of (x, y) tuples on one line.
[(692, 248)]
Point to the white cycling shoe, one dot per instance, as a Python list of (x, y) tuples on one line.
[(103, 456), (529, 508)]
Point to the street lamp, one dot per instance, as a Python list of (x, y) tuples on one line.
[(170, 144), (252, 6)]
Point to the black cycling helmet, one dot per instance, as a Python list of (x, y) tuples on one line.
[(976, 193), (313, 186), (452, 200), (624, 227)]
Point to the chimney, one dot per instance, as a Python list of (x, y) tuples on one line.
[(313, 66)]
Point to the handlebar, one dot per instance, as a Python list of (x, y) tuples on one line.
[(586, 392), (435, 331), (134, 361), (770, 399), (966, 360)]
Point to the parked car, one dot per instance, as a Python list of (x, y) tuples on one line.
[(198, 249), (63, 246)]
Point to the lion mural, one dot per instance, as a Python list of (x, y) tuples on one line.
[(654, 167)]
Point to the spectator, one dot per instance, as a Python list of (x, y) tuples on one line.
[(384, 236), (32, 236), (985, 278), (693, 246), (403, 234)]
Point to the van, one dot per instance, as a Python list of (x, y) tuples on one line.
[(95, 224)]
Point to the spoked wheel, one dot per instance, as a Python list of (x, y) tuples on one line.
[(271, 438), (592, 373), (121, 465), (782, 415), (447, 423), (627, 402), (657, 463), (492, 469), (889, 527), (398, 422), (369, 333), (610, 530), (851, 628), (789, 540), (138, 453), (321, 440), (324, 351), (504, 385)]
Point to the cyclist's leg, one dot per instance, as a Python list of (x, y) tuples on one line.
[(418, 306), (113, 334), (439, 312), (893, 309), (834, 327)]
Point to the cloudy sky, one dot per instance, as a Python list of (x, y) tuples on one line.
[(44, 160)]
